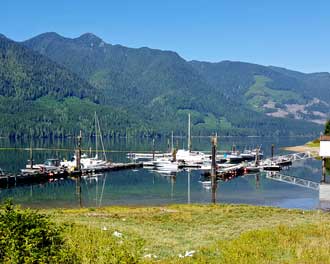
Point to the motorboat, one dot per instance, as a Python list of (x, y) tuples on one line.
[(233, 157), (48, 165)]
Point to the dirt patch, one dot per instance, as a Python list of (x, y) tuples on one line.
[(313, 150)]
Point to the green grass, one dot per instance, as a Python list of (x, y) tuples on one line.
[(218, 233), (315, 143), (306, 243), (259, 94)]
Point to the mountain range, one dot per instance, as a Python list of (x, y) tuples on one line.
[(51, 86)]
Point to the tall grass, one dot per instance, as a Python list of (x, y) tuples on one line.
[(103, 245), (217, 234)]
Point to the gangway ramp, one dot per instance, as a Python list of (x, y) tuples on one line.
[(293, 180), (289, 157)]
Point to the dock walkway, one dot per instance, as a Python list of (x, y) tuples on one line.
[(12, 180)]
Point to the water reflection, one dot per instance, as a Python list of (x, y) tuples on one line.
[(188, 184), (257, 179)]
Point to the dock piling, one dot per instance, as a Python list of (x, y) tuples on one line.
[(78, 184), (323, 170), (214, 169), (153, 149), (257, 157)]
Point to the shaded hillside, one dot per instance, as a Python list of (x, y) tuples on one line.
[(28, 75), (41, 97)]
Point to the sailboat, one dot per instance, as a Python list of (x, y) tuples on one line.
[(189, 157), (90, 163), (181, 157)]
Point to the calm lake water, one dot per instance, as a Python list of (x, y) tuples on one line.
[(141, 187)]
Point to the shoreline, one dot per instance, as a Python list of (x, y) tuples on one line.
[(314, 150)]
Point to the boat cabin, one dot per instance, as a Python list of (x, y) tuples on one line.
[(52, 162)]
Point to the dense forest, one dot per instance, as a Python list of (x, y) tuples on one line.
[(51, 86)]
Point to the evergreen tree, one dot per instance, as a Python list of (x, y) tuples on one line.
[(327, 128)]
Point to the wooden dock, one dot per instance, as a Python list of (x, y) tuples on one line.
[(13, 180)]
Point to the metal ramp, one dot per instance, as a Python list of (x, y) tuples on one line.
[(293, 180), (289, 157)]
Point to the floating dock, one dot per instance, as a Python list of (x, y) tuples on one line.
[(13, 180)]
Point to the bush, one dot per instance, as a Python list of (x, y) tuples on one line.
[(327, 128), (30, 237)]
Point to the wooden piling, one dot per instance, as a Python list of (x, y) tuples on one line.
[(323, 170), (31, 158), (78, 158), (257, 157), (233, 148), (214, 169), (78, 153), (153, 149), (174, 154), (272, 151)]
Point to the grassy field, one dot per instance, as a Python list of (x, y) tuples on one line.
[(216, 234)]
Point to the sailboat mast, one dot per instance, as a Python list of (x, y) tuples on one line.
[(172, 142), (31, 151), (96, 147), (189, 136), (101, 140)]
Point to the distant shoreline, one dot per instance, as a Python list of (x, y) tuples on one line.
[(314, 149)]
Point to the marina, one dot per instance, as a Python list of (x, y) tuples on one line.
[(225, 166), (149, 185)]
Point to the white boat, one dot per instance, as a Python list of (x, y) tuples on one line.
[(191, 156), (90, 163), (148, 164), (168, 169), (166, 164), (206, 184)]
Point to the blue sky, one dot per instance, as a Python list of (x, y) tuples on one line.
[(292, 34)]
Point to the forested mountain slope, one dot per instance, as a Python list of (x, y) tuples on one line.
[(41, 97), (271, 90), (51, 86), (160, 87)]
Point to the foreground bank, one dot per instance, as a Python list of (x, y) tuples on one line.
[(197, 234)]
